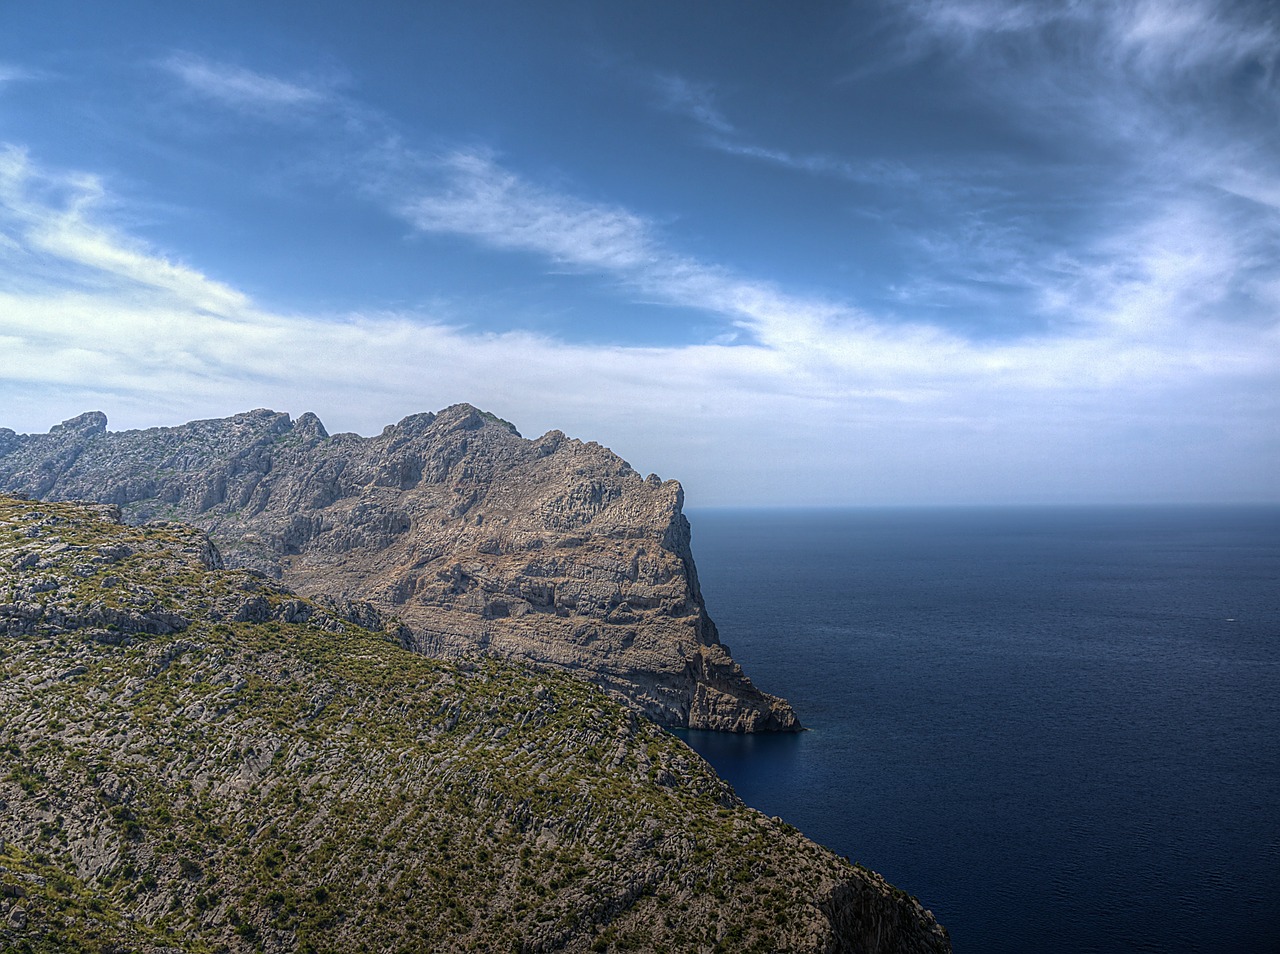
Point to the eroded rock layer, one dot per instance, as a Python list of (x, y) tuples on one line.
[(551, 551)]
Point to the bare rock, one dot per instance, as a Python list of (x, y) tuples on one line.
[(550, 551)]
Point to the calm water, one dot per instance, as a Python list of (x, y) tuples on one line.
[(1060, 729)]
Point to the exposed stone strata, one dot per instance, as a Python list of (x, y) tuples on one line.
[(551, 551)]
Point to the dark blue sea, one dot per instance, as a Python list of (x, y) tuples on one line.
[(1058, 728)]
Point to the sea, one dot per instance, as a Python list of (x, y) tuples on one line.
[(1059, 728)]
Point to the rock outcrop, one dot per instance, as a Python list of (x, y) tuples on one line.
[(195, 759), (549, 551)]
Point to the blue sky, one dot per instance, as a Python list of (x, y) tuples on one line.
[(910, 252)]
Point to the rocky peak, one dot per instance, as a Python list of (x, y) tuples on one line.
[(86, 425), (412, 424), (309, 426)]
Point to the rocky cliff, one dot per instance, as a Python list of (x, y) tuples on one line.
[(194, 759), (550, 551)]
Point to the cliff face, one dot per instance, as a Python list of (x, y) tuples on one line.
[(195, 759), (550, 551)]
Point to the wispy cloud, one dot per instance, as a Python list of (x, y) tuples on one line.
[(1131, 316), (1146, 322), (485, 202), (1178, 33), (1157, 113), (1169, 323), (1123, 69), (237, 86), (469, 193), (879, 172), (1184, 36), (10, 73), (55, 216), (696, 101), (1117, 309), (961, 267)]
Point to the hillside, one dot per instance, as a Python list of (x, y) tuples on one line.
[(551, 551), (196, 759)]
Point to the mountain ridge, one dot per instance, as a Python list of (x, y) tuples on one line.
[(552, 551)]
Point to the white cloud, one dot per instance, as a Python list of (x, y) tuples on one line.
[(1185, 36), (237, 86), (1157, 112), (487, 203), (1157, 54), (12, 74), (1168, 35), (696, 101), (55, 214), (880, 172), (1133, 318), (1143, 319), (1153, 75), (824, 401)]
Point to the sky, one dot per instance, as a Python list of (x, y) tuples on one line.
[(911, 252)]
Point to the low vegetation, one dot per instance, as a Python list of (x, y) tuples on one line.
[(193, 759)]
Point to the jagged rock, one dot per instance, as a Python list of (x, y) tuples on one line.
[(551, 551)]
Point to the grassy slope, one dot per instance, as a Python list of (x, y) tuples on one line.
[(216, 784)]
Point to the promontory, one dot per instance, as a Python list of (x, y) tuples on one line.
[(548, 551)]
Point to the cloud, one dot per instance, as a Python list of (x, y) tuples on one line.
[(240, 87), (103, 308), (55, 214), (1135, 315), (1153, 112), (1160, 55), (487, 203), (1145, 325), (878, 172), (490, 204), (1187, 36), (696, 101), (1180, 34), (1151, 346), (1182, 84), (13, 74)]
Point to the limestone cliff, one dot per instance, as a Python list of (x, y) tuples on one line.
[(551, 551), (194, 759)]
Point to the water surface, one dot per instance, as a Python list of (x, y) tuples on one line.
[(1059, 728)]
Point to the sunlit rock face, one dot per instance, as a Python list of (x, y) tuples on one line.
[(551, 551)]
